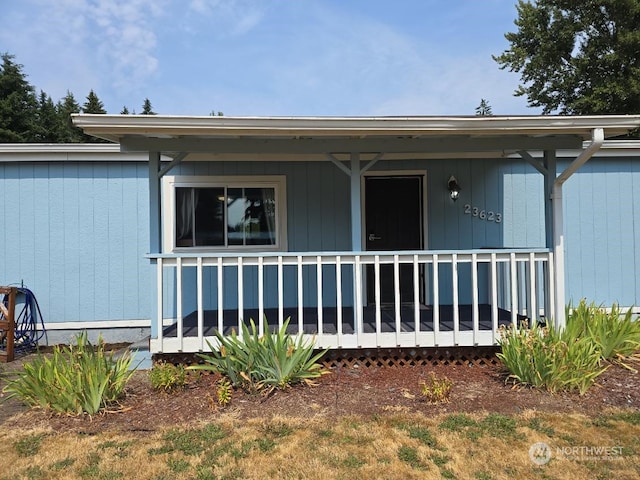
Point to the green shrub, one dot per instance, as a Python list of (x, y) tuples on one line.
[(617, 336), (254, 362), (571, 358), (550, 358), (167, 376), (79, 378)]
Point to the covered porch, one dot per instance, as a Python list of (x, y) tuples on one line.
[(434, 290)]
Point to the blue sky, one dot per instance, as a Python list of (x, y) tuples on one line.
[(268, 57)]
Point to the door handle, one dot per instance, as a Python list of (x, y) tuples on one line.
[(372, 237)]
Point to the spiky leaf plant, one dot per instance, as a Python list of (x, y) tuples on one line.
[(254, 362), (75, 379)]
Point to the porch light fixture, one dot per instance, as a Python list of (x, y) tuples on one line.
[(454, 188)]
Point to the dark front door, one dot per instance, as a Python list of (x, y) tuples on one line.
[(393, 221)]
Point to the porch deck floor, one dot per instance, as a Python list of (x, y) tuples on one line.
[(329, 319)]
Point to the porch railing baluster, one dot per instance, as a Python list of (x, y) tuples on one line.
[(300, 295), (396, 297), (533, 304), (436, 300), (514, 289), (261, 296), (357, 308), (319, 282), (376, 270), (339, 299), (456, 311), (160, 302), (240, 267), (494, 297), (179, 303), (280, 292), (475, 318), (416, 297), (200, 304), (220, 296)]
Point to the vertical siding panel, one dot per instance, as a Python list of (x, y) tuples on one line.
[(102, 235), (116, 242), (587, 245), (71, 219), (316, 230), (56, 310), (131, 249), (475, 225), (297, 208), (622, 265), (86, 242), (26, 244), (41, 285), (145, 270), (11, 225)]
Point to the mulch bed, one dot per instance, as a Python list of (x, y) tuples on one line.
[(354, 390)]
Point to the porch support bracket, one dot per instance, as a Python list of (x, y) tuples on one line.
[(347, 170), (339, 164), (177, 160), (536, 164), (597, 136)]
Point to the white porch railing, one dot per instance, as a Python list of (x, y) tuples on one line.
[(457, 298)]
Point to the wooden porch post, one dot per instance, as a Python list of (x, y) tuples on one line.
[(154, 236), (154, 202), (356, 208), (558, 257), (597, 139)]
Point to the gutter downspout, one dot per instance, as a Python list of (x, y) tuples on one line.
[(597, 136)]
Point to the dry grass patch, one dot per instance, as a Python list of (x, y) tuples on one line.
[(399, 445)]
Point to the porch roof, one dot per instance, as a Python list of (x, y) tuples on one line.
[(321, 135)]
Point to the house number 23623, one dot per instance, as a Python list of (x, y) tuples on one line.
[(482, 214)]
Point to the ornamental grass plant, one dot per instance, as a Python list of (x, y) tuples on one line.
[(263, 362), (571, 358), (75, 379), (617, 335)]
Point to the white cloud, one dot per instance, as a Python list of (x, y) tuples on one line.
[(234, 17), (87, 44)]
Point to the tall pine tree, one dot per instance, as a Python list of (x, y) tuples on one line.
[(146, 108), (18, 103), (48, 128), (68, 132), (93, 105)]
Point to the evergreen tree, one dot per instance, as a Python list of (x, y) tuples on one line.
[(68, 132), (577, 57), (146, 108), (125, 111), (93, 104), (484, 109), (18, 103), (48, 129)]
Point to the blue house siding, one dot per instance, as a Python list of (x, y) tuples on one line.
[(602, 202), (75, 233)]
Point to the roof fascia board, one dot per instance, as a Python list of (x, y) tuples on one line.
[(171, 125), (344, 145)]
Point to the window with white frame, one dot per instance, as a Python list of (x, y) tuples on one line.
[(224, 213)]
